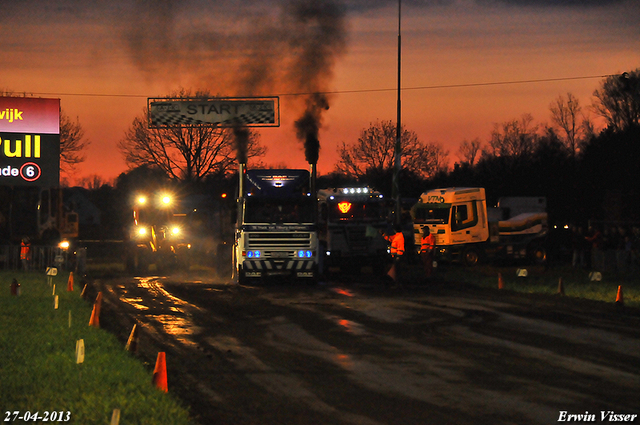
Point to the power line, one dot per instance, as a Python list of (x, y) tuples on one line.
[(434, 87)]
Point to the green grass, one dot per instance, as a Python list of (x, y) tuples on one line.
[(38, 369), (576, 283)]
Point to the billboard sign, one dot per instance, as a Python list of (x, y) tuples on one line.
[(29, 141), (214, 112)]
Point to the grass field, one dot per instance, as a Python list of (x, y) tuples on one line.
[(38, 368), (540, 280)]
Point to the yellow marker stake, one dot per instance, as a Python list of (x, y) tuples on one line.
[(55, 302), (115, 417), (80, 351)]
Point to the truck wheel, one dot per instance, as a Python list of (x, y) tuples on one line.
[(538, 255), (225, 255), (141, 262), (242, 279), (470, 257)]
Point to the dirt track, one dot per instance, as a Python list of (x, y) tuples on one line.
[(361, 353)]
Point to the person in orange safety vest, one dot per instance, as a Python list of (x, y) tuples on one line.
[(397, 243), (427, 250), (25, 253), (397, 250)]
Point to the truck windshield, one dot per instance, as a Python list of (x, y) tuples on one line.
[(357, 211), (153, 216), (431, 213), (270, 210)]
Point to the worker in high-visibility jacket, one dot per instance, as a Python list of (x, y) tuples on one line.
[(427, 250), (396, 250), (397, 243), (25, 253)]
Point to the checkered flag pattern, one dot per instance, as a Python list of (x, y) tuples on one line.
[(176, 118), (172, 119)]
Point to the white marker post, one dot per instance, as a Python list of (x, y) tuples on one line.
[(115, 417), (80, 351), (51, 271)]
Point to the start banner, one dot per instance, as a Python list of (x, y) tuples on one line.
[(214, 112), (29, 141)]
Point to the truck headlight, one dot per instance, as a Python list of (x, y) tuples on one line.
[(165, 200)]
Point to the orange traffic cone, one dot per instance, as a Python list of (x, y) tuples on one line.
[(560, 287), (160, 373), (619, 297), (95, 313), (70, 282), (500, 281), (132, 342)]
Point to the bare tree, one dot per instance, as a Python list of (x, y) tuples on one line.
[(569, 122), (185, 153), (515, 138), (618, 100), (93, 182), (72, 143), (374, 152), (469, 150)]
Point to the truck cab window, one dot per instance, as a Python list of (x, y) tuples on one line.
[(464, 216)]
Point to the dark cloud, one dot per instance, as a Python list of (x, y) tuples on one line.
[(555, 3)]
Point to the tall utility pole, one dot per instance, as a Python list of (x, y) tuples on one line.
[(398, 147)]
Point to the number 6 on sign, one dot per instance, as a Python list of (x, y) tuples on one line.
[(30, 171)]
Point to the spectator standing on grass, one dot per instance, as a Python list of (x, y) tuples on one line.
[(628, 250), (622, 256), (634, 249), (579, 246), (25, 253), (597, 254)]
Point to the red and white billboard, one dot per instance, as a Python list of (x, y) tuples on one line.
[(29, 141)]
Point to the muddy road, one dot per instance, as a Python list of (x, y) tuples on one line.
[(358, 352)]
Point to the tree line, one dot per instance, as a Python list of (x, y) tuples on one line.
[(585, 173)]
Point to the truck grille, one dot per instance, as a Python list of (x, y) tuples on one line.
[(288, 239), (357, 239)]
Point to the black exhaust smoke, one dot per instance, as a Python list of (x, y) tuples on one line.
[(295, 53), (321, 40), (308, 126), (241, 139)]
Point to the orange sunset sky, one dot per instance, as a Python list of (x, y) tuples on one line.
[(104, 59)]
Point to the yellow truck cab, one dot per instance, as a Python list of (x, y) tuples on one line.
[(467, 231)]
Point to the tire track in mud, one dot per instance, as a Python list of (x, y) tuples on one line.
[(361, 355)]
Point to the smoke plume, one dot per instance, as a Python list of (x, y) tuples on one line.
[(241, 137), (322, 40), (253, 50), (308, 126), (308, 38)]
